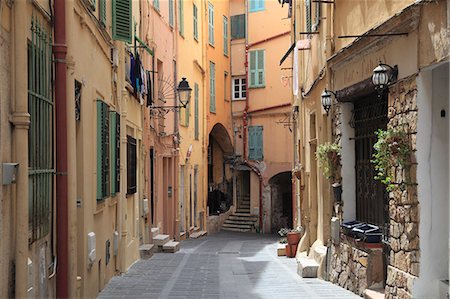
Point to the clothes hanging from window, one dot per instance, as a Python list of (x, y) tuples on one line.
[(137, 74), (149, 89)]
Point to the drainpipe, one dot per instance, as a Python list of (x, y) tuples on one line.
[(59, 52), (244, 115), (21, 121)]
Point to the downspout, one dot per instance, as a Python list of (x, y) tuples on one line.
[(244, 115), (59, 52)]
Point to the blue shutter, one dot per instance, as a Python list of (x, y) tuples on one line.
[(257, 74), (259, 143), (251, 143), (256, 5), (171, 13), (211, 24), (225, 36)]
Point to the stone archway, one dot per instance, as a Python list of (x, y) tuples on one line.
[(281, 201)]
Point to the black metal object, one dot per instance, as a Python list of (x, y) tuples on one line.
[(369, 115)]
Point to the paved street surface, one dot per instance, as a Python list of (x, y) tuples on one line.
[(224, 265)]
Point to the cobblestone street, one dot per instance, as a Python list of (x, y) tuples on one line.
[(224, 265)]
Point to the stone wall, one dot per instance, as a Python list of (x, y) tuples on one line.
[(355, 268), (403, 202)]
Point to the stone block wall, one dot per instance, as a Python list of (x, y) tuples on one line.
[(354, 268), (403, 263)]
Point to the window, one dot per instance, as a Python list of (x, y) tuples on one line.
[(102, 12), (196, 111), (256, 5), (156, 4), (210, 24), (212, 87), (238, 26), (255, 143), (315, 26), (308, 15), (239, 88), (225, 36), (103, 152), (131, 165), (181, 17), (122, 20), (195, 18), (171, 13), (257, 68), (40, 135), (115, 151)]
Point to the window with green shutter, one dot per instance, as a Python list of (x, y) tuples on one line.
[(115, 151), (121, 18), (308, 15), (156, 4), (225, 36), (238, 26), (315, 27), (102, 12), (196, 127), (212, 87), (181, 17), (210, 24), (255, 143), (256, 5), (257, 75), (195, 20), (103, 153), (171, 21)]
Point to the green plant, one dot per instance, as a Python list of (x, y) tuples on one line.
[(283, 231), (391, 149), (329, 157)]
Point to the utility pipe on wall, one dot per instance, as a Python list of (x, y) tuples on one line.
[(62, 232)]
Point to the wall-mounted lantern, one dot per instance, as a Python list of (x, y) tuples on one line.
[(383, 75), (326, 100)]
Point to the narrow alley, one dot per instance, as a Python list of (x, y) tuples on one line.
[(223, 265)]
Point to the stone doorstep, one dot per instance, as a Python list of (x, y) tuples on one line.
[(281, 249), (160, 240), (307, 268), (374, 293), (155, 231), (198, 234), (182, 235), (171, 246), (146, 251)]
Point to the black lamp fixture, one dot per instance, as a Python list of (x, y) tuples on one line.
[(326, 100), (182, 95), (383, 75)]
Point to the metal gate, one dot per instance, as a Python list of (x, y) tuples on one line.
[(369, 115)]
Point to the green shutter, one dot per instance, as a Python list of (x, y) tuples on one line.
[(115, 151), (195, 21), (260, 61), (171, 13), (187, 110), (256, 5), (103, 154), (181, 17), (238, 26), (259, 143), (196, 111), (257, 75), (121, 12), (308, 15), (210, 24), (156, 4), (225, 36), (212, 87), (255, 143), (102, 12)]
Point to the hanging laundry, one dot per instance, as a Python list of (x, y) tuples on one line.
[(149, 89), (132, 73)]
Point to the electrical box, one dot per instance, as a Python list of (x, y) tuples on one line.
[(9, 173), (91, 248), (145, 206), (115, 242)]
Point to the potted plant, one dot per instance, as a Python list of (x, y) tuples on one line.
[(329, 157), (294, 235), (391, 149)]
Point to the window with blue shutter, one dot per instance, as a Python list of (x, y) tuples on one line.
[(195, 20), (197, 133), (212, 87), (171, 13), (210, 24), (257, 75), (255, 143), (238, 26), (181, 17), (256, 5), (225, 36), (103, 154), (121, 12), (115, 151)]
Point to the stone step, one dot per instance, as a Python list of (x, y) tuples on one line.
[(198, 234), (242, 211), (281, 249), (155, 231), (244, 215), (374, 293), (146, 251), (231, 229), (171, 246), (247, 217), (244, 221), (237, 225), (307, 268), (160, 240)]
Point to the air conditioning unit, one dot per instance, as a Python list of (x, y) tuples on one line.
[(91, 254)]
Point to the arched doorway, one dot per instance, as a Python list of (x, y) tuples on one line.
[(281, 201)]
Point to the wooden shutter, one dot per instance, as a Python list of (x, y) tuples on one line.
[(210, 24), (196, 111), (171, 13), (257, 75), (131, 165), (181, 17), (103, 158), (122, 28), (251, 143), (238, 26), (195, 20), (102, 12), (253, 68), (308, 15), (212, 87), (225, 35), (259, 143), (115, 152), (260, 66), (256, 5)]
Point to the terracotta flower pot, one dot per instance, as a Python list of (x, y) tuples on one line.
[(293, 238), (291, 250)]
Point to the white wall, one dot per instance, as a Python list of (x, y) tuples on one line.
[(348, 163), (433, 176)]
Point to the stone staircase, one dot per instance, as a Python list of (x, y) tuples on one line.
[(240, 222), (162, 243), (243, 205)]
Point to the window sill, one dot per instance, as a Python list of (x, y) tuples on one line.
[(239, 99), (256, 87), (100, 207)]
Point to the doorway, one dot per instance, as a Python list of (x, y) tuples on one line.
[(281, 201)]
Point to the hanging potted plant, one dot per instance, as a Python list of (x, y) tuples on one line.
[(329, 157), (391, 149)]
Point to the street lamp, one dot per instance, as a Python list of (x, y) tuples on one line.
[(383, 75), (326, 99)]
